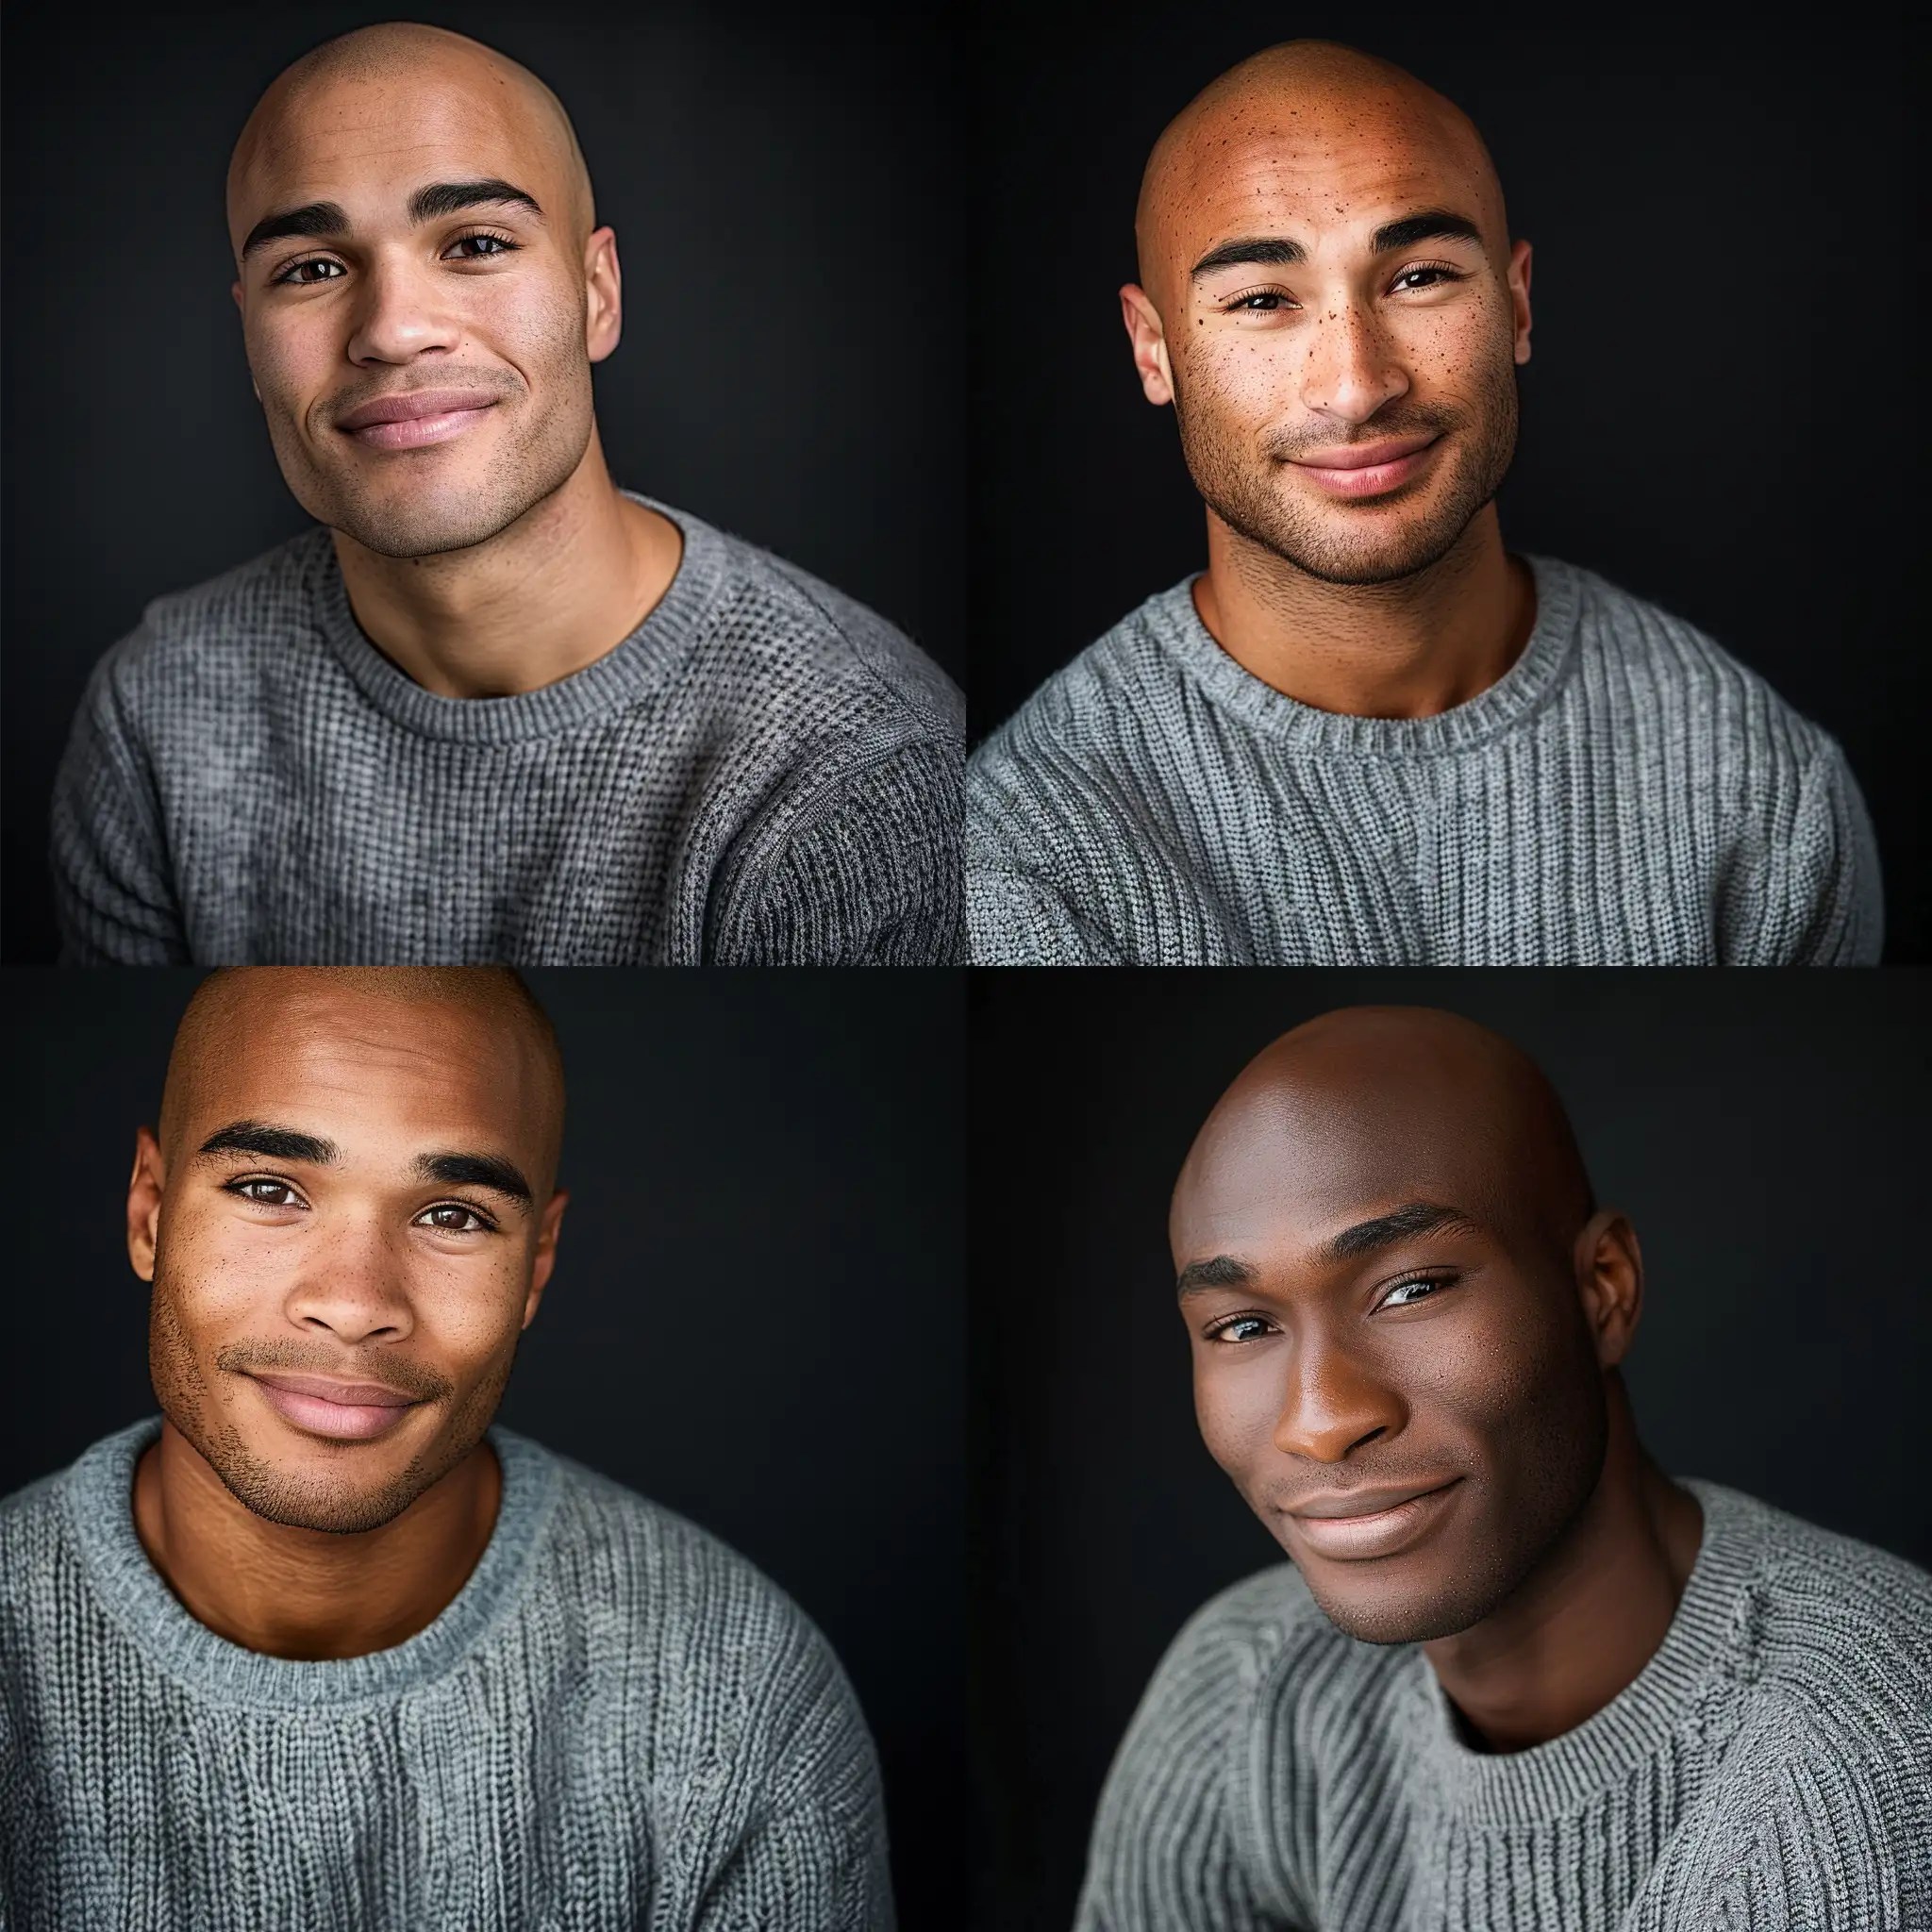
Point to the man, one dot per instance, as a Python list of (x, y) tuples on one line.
[(319, 1648), (1367, 734), (494, 710), (1514, 1676)]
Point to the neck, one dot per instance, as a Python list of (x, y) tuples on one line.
[(309, 1593), (1590, 1617), (560, 587), (1406, 649)]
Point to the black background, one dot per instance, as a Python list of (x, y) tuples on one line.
[(1766, 1132), (791, 352), (757, 1315), (1720, 203)]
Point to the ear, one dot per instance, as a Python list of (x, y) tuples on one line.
[(235, 292), (544, 1260), (1150, 343), (604, 280), (144, 1189), (1609, 1282), (1519, 297)]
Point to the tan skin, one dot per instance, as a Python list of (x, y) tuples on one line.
[(510, 304), (1474, 1360), (1321, 148), (357, 1267)]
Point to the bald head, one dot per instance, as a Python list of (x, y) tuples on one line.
[(422, 86), (1316, 125), (246, 1025), (1372, 1107)]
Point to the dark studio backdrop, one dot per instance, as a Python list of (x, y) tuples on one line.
[(1719, 201), (790, 367), (757, 1315), (1765, 1132)]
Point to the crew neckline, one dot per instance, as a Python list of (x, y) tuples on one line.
[(650, 655), (98, 1492), (1563, 1776), (1539, 670)]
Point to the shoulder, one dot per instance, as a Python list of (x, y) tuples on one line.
[(29, 1531)]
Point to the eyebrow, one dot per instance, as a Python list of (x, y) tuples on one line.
[(1385, 1230), (271, 1142), (475, 1170), (1278, 251), (325, 219), (1223, 1271)]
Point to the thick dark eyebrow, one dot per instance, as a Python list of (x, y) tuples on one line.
[(272, 1144), (1414, 1217), (1261, 251), (1432, 225), (326, 220), (475, 1170), (1223, 1271)]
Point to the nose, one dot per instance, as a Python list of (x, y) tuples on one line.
[(354, 1290), (402, 310), (1351, 370), (1334, 1404)]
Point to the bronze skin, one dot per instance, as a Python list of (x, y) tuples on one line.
[(348, 1216), (1407, 1316), (1330, 300)]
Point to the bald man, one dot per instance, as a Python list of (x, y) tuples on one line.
[(319, 1648), (1513, 1675), (1367, 734), (491, 708)]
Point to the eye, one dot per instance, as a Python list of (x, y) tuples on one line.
[(1433, 273), (1237, 1328), (454, 1217), (1417, 1287), (489, 245), (1259, 302), (263, 1192), (296, 274)]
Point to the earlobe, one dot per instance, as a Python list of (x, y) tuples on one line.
[(1610, 1272), (1144, 330)]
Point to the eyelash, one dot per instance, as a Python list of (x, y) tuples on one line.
[(1216, 1330), (286, 277), (242, 1183), (1234, 304)]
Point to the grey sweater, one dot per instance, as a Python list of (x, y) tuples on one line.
[(1768, 1770), (1626, 793), (762, 773), (617, 1723)]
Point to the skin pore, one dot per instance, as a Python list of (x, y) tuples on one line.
[(1330, 300), (411, 218), (1407, 1316), (348, 1216)]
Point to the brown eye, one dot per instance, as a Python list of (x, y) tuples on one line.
[(264, 1193), (449, 1218)]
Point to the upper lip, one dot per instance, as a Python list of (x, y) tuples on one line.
[(414, 403), (1365, 456), (327, 1389), (1333, 1504)]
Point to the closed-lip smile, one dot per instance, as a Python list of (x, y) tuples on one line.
[(1354, 1523), (325, 1405), (1367, 469), (416, 417)]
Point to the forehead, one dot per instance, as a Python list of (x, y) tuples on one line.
[(367, 1071), (1318, 165)]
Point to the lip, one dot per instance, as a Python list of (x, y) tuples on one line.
[(1368, 469), (1372, 1522), (416, 419), (344, 1411)]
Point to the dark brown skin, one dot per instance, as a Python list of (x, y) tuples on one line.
[(1474, 1360), (1403, 603), (361, 1268), (504, 558)]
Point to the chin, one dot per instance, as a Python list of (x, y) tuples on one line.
[(1401, 1610), (322, 1499)]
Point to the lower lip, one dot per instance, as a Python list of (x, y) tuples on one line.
[(418, 432), (342, 1422), (1377, 479), (1380, 1535)]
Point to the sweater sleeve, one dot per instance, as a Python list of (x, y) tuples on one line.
[(1016, 921), (864, 872), (112, 882)]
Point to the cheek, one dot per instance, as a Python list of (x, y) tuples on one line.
[(1237, 1409)]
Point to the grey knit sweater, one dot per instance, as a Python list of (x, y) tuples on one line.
[(763, 772), (617, 1723), (1626, 794), (1768, 1770)]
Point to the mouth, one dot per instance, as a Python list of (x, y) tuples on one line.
[(1377, 1522), (416, 420), (1368, 469), (342, 1411)]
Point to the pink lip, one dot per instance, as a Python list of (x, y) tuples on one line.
[(1369, 469), (1381, 1529), (347, 1411), (423, 416)]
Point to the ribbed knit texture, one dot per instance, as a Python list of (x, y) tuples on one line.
[(1768, 1770), (1626, 794), (617, 1723), (762, 773)]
